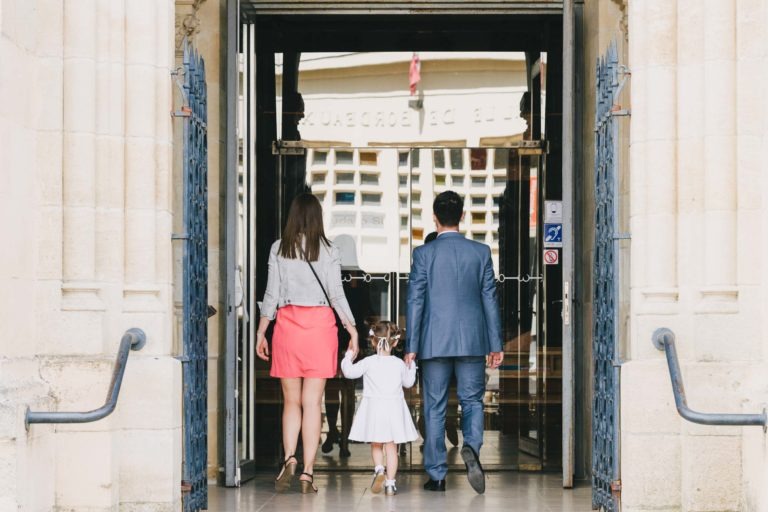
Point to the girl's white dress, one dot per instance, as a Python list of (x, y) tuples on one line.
[(383, 415)]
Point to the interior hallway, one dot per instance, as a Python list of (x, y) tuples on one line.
[(525, 492)]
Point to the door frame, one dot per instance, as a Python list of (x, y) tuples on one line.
[(234, 9)]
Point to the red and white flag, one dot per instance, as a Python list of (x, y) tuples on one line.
[(414, 74)]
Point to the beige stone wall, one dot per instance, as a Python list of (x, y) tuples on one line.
[(698, 182), (85, 220)]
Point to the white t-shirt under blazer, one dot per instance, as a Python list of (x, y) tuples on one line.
[(383, 415)]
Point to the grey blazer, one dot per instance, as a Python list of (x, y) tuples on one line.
[(452, 306), (291, 283)]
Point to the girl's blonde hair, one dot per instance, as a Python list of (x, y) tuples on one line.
[(384, 329)]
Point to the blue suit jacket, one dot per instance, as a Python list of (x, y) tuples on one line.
[(452, 306)]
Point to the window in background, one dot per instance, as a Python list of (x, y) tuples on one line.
[(438, 156), (457, 158), (478, 158), (369, 158), (478, 200), (371, 199), (345, 178), (345, 198), (344, 157), (500, 158)]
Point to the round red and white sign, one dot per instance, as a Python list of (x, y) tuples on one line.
[(551, 257)]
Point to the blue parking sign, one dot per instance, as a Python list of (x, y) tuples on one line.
[(553, 235)]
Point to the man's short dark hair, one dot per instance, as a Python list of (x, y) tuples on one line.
[(448, 207)]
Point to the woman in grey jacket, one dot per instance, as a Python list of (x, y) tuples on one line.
[(304, 283)]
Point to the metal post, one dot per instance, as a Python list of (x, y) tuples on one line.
[(230, 354), (568, 284)]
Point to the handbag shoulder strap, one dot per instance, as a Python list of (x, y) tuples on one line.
[(312, 268)]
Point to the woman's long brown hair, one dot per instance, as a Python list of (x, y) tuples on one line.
[(305, 218)]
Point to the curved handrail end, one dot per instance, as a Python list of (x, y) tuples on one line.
[(139, 338), (661, 336)]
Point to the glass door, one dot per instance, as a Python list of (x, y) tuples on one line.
[(377, 206)]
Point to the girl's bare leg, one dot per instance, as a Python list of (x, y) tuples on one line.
[(377, 453), (391, 449)]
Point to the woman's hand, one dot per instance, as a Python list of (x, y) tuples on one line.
[(262, 348), (353, 343)]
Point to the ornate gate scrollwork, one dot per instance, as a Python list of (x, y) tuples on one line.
[(195, 278), (606, 484)]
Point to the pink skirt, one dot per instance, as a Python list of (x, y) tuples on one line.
[(304, 343)]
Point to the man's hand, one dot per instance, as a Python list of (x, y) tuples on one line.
[(495, 359), (410, 357)]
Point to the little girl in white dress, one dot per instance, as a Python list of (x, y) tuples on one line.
[(383, 418)]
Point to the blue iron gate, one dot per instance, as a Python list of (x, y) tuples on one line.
[(605, 408), (195, 360)]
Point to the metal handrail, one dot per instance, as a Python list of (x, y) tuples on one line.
[(664, 339), (133, 339)]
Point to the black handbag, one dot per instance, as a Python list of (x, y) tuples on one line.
[(342, 331)]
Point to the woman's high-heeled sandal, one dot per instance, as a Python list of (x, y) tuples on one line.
[(308, 486), (285, 477)]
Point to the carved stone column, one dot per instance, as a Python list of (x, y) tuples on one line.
[(141, 292), (720, 151), (79, 288), (654, 162)]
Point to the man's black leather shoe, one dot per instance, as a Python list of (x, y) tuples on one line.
[(452, 433), (475, 473), (434, 485)]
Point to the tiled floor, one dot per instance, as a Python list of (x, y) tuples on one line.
[(498, 453), (341, 491)]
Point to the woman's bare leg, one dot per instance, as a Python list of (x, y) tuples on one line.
[(311, 403), (291, 414)]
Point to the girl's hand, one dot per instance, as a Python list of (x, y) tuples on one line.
[(262, 349)]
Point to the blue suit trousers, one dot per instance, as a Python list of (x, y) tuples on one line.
[(470, 382)]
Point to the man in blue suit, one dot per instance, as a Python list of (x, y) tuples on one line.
[(453, 329)]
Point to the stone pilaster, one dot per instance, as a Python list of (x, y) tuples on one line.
[(141, 292), (653, 162), (719, 154), (80, 290)]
